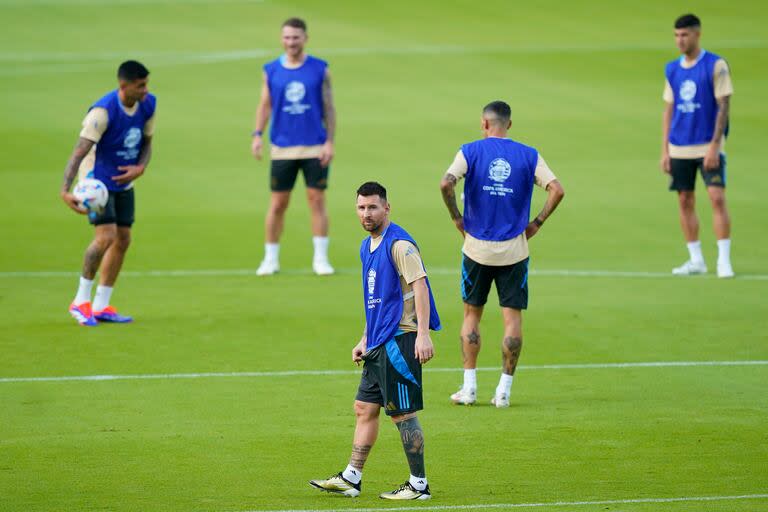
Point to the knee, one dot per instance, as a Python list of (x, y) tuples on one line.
[(316, 201), (278, 207), (104, 240), (364, 411), (687, 201), (718, 203), (123, 241)]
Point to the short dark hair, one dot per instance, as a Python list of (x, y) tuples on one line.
[(688, 21), (296, 23), (499, 109), (131, 70), (372, 188)]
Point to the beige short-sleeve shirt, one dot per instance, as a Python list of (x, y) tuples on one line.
[(723, 85), (94, 126), (507, 252), (410, 268)]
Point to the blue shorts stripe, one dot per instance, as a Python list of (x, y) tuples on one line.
[(398, 362)]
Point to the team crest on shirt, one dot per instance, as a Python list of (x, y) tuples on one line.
[(499, 170), (132, 138), (687, 93), (687, 90), (294, 94), (371, 281), (295, 91)]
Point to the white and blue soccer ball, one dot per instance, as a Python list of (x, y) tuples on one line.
[(92, 194)]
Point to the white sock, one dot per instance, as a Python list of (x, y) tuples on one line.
[(321, 248), (505, 385), (418, 482), (102, 298), (352, 474), (694, 249), (724, 251), (470, 379), (83, 291), (272, 252)]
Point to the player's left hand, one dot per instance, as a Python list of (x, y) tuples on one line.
[(531, 230), (130, 173), (424, 350), (712, 159), (326, 154)]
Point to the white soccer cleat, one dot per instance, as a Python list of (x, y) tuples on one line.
[(268, 268), (690, 268), (407, 492), (337, 484), (464, 396), (724, 270), (322, 268), (500, 401)]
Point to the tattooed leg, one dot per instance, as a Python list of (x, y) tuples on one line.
[(105, 236), (511, 353), (512, 344), (470, 336), (366, 431), (413, 443)]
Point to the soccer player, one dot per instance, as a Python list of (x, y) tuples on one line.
[(500, 174), (399, 312), (297, 93), (115, 146), (697, 93)]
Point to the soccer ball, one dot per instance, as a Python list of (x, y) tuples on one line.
[(92, 194)]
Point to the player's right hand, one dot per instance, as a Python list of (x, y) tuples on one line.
[(665, 163), (71, 201), (357, 352), (459, 222), (256, 146)]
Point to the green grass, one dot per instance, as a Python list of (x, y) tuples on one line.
[(584, 80)]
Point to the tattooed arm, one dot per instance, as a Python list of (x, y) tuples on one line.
[(132, 172), (263, 111), (329, 113), (82, 148), (555, 194), (448, 189), (712, 158)]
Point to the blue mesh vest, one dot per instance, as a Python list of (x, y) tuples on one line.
[(498, 188), (693, 120), (382, 295), (123, 139), (297, 102)]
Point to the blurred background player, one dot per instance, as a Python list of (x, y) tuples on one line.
[(500, 174), (399, 312), (698, 92), (115, 146), (297, 93)]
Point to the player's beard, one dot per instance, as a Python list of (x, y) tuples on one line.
[(372, 227)]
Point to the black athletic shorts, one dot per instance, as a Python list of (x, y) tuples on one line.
[(284, 172), (511, 283), (392, 376), (119, 210), (684, 173)]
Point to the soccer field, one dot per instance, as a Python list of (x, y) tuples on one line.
[(636, 392)]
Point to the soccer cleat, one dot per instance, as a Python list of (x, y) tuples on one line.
[(690, 268), (110, 314), (407, 492), (724, 270), (83, 314), (322, 268), (464, 396), (500, 401), (268, 268), (337, 484)]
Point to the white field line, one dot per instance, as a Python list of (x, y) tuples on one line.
[(234, 272), (502, 506), (291, 373), (29, 63)]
